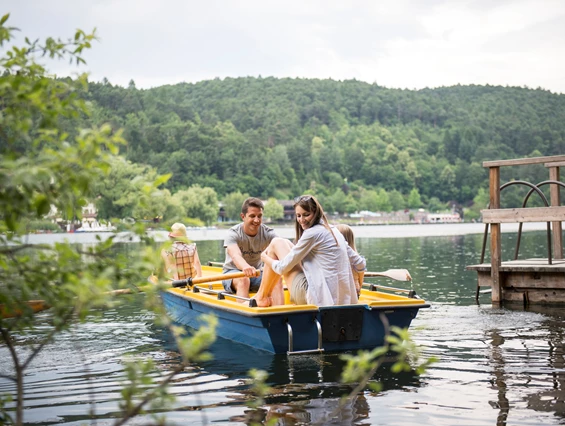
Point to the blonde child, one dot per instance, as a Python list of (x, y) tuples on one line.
[(347, 233), (182, 260)]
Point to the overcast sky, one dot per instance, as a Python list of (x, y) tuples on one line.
[(396, 43)]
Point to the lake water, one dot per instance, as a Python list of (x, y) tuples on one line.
[(497, 366)]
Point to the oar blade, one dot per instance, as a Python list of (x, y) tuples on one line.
[(394, 274)]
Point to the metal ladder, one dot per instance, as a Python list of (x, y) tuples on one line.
[(307, 351)]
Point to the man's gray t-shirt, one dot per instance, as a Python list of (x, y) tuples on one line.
[(251, 247)]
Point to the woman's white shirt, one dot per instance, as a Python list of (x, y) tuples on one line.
[(327, 266)]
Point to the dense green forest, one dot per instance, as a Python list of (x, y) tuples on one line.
[(357, 146), (346, 141)]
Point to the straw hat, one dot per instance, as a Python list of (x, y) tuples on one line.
[(178, 230)]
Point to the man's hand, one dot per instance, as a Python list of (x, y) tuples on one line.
[(249, 271)]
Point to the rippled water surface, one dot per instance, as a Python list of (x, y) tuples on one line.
[(497, 366)]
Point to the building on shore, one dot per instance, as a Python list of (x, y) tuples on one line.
[(443, 218)]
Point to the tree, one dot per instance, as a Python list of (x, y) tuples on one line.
[(121, 191), (157, 204), (451, 143), (273, 210), (232, 204), (199, 203), (480, 202), (447, 181), (435, 205), (397, 200), (383, 201), (368, 200), (42, 166), (414, 200)]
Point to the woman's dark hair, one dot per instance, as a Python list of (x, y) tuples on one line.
[(311, 205)]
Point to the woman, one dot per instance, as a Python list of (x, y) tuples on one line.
[(182, 260), (317, 269)]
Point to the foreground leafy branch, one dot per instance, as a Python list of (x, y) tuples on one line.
[(140, 390), (47, 163)]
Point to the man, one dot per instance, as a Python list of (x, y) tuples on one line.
[(244, 244)]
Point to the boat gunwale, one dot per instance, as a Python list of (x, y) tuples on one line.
[(209, 300)]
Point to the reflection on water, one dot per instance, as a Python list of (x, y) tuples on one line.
[(545, 372), (497, 366), (304, 388)]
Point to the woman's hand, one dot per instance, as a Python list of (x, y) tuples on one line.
[(267, 260)]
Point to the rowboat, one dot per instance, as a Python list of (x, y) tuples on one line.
[(293, 329)]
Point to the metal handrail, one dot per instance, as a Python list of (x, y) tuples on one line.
[(545, 182), (544, 199), (222, 295)]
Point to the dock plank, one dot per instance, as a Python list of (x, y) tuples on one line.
[(531, 214), (523, 265)]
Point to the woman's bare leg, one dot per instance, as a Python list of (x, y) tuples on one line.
[(271, 291)]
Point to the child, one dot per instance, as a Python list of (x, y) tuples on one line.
[(347, 233), (182, 260)]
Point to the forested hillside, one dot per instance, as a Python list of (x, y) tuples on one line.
[(357, 145)]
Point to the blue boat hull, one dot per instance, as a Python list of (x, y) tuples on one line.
[(335, 328)]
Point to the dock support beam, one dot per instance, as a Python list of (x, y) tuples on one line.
[(495, 240)]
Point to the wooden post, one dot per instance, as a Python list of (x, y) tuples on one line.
[(556, 226), (495, 248)]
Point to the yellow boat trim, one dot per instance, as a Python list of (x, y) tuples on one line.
[(374, 298), (233, 304)]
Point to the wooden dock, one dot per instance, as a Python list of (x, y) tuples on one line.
[(530, 281), (526, 281)]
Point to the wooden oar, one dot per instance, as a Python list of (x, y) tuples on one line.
[(395, 274), (35, 305), (42, 305)]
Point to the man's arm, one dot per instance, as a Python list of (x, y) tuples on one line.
[(239, 261)]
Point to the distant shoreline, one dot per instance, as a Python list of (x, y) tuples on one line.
[(386, 231), (366, 231)]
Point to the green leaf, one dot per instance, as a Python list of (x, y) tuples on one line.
[(162, 179), (42, 205)]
